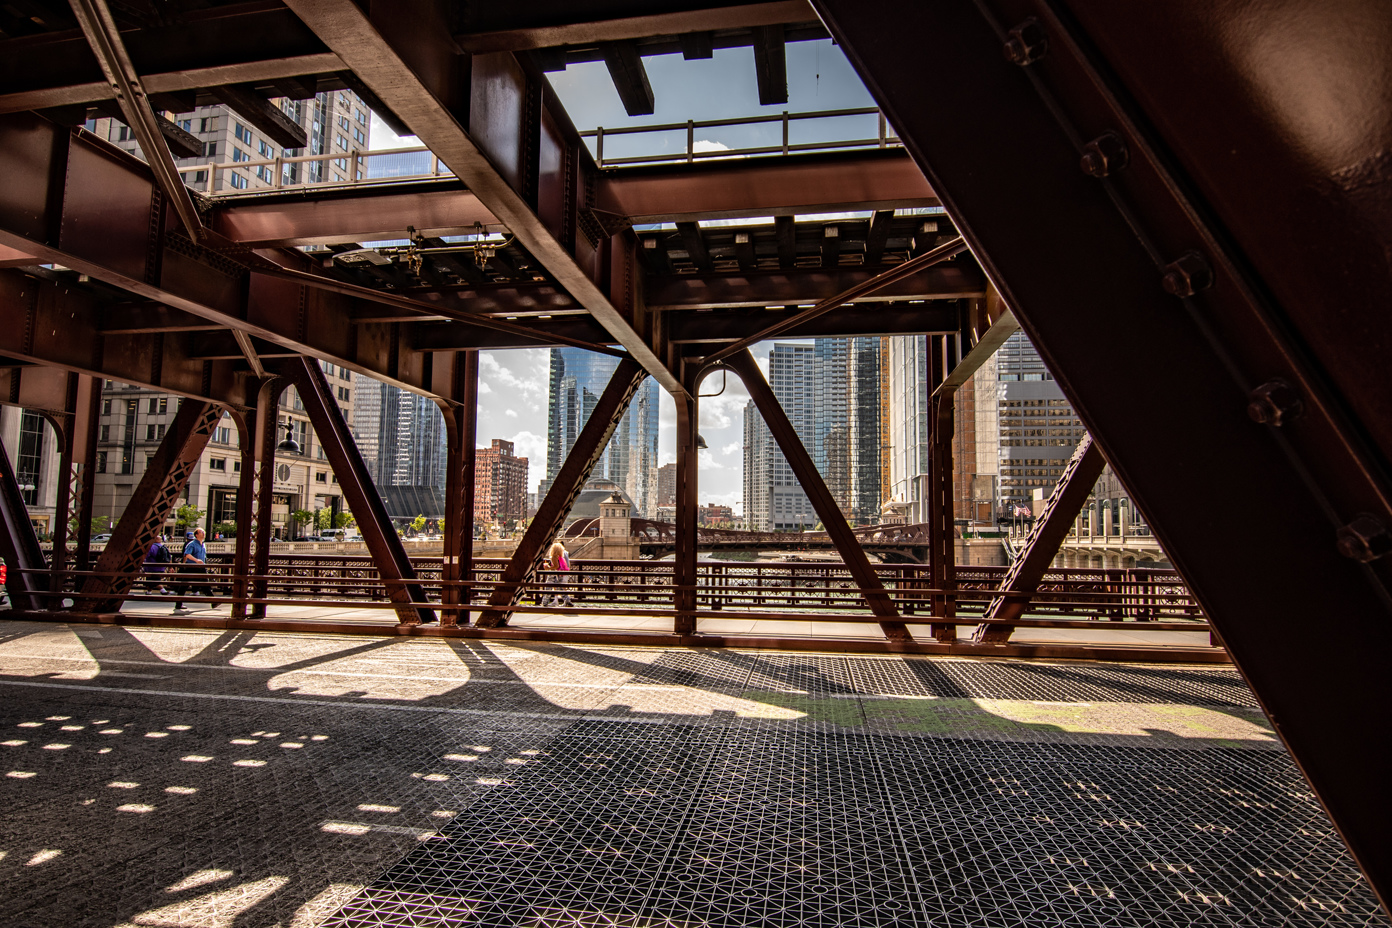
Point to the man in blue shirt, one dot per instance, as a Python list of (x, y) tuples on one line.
[(194, 561)]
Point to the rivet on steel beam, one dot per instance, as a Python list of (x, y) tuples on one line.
[(1365, 539), (1187, 275), (1274, 403), (1104, 154), (1027, 43)]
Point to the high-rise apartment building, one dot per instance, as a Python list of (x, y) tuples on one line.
[(831, 391), (974, 442), (400, 434), (500, 483), (336, 124), (667, 485), (1038, 428), (578, 378)]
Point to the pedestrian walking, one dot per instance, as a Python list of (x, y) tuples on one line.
[(194, 563), (558, 561), (158, 561)]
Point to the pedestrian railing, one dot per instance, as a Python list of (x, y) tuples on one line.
[(825, 130), (823, 591)]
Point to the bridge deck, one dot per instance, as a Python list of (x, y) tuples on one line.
[(213, 778)]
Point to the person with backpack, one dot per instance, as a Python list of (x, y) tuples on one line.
[(157, 561)]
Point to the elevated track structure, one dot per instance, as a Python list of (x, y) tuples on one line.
[(1185, 205)]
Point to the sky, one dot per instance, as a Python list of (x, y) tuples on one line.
[(513, 384)]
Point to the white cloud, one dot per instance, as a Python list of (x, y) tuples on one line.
[(731, 448), (511, 413), (708, 145), (533, 447), (492, 371), (484, 387), (708, 461)]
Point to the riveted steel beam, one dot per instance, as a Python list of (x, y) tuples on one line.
[(366, 503), (494, 139), (19, 544), (499, 28), (102, 35), (1235, 336), (570, 480), (460, 372), (1060, 512), (164, 482), (823, 503)]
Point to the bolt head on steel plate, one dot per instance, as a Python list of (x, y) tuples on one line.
[(1186, 275), (1027, 43), (1103, 155), (1365, 539), (1274, 403)]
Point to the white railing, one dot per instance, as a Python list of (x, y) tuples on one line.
[(884, 138), (356, 161)]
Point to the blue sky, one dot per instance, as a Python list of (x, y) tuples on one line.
[(513, 384)]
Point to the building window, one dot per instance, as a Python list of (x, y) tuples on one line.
[(186, 124), (123, 134), (217, 464), (341, 142), (207, 124), (362, 117), (321, 477), (200, 177), (343, 393), (106, 407), (264, 173), (159, 431), (344, 374), (150, 432), (239, 155), (210, 149), (236, 466), (237, 180), (242, 133), (106, 430), (101, 462), (265, 150), (343, 122)]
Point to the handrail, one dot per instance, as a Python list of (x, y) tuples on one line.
[(884, 138), (357, 158)]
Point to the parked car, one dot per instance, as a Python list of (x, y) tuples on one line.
[(103, 537)]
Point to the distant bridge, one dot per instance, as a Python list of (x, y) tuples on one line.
[(900, 544)]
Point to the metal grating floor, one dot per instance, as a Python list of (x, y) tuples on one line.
[(758, 824)]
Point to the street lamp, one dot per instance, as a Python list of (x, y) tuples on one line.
[(289, 445)]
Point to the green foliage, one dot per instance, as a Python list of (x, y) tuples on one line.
[(343, 520), (323, 518), (418, 524), (99, 524), (186, 518), (228, 529), (300, 517)]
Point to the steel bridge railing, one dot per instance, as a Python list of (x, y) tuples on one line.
[(775, 590)]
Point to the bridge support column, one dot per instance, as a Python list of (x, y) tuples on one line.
[(19, 545), (258, 480), (546, 525), (684, 570), (165, 480), (743, 364), (461, 429), (393, 566), (1059, 514), (942, 548), (76, 466)]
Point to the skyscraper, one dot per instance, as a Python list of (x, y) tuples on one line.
[(831, 393), (578, 378), (500, 483), (401, 435), (1037, 426)]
